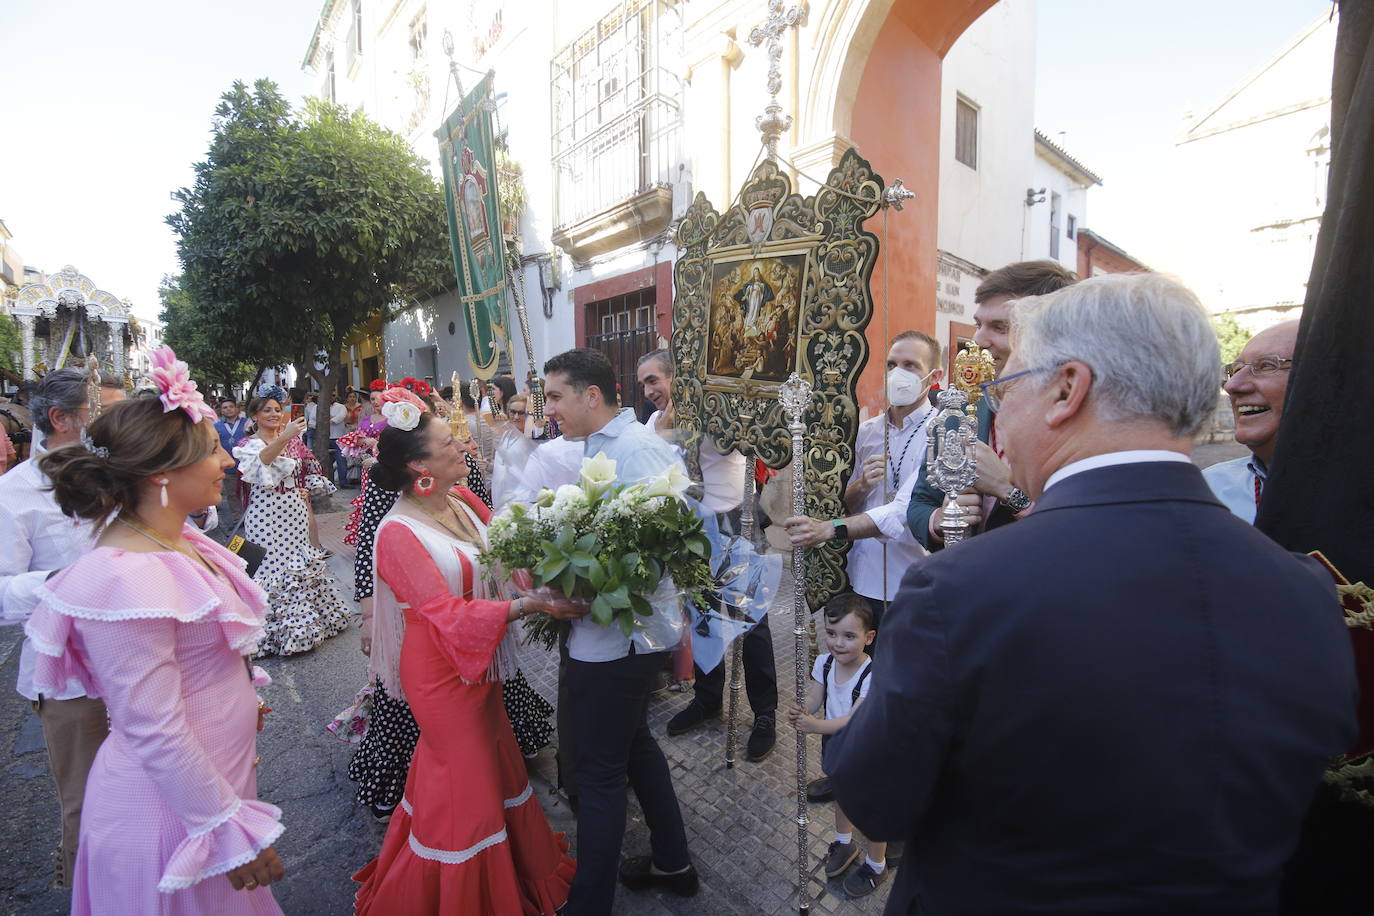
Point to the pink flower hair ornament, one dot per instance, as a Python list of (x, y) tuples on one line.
[(175, 389), (397, 393)]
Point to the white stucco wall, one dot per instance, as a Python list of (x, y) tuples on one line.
[(1252, 185), (992, 66)]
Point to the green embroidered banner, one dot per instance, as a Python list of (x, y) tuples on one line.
[(467, 152)]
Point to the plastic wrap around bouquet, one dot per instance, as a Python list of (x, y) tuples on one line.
[(611, 544)]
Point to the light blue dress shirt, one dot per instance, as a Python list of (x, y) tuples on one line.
[(1233, 482), (640, 455)]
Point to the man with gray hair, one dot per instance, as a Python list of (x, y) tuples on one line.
[(39, 540), (1123, 703), (1257, 384)]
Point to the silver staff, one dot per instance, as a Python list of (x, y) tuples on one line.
[(795, 395), (736, 651), (952, 449)]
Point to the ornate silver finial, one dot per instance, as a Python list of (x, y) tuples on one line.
[(895, 194), (794, 395), (951, 457), (773, 122)]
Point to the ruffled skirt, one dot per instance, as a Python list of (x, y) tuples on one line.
[(469, 836), (305, 607)]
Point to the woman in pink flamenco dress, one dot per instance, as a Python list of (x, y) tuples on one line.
[(158, 620), (469, 836)]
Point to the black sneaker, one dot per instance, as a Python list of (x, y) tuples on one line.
[(818, 790), (383, 815), (762, 738), (840, 856), (691, 717), (636, 873), (863, 881)]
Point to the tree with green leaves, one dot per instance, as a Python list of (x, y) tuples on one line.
[(302, 226), (1231, 336), (217, 359), (11, 343)]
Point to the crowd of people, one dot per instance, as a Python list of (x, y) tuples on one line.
[(1116, 696)]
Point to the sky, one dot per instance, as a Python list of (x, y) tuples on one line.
[(109, 105), (1116, 79)]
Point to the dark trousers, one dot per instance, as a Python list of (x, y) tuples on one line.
[(340, 462), (760, 674), (610, 704)]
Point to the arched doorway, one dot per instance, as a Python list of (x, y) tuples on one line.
[(876, 85)]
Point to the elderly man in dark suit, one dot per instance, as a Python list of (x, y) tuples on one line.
[(1123, 703)]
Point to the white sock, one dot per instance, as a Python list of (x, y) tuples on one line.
[(878, 867), (844, 838)]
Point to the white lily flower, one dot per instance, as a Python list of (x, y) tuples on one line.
[(672, 482), (598, 473)]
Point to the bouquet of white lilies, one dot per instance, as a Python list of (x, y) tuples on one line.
[(609, 544)]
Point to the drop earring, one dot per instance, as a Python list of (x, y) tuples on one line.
[(424, 484), (163, 496)]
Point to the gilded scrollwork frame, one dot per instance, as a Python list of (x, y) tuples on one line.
[(832, 310)]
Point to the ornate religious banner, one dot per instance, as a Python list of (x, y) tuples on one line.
[(778, 284), (468, 157)]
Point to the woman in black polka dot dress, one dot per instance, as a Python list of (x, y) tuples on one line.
[(379, 765)]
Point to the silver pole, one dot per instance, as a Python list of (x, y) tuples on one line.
[(736, 651), (795, 395)]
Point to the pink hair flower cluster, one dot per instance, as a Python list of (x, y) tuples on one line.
[(175, 388)]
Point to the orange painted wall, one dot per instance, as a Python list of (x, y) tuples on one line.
[(896, 127)]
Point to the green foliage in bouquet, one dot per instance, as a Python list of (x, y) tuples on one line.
[(609, 544)]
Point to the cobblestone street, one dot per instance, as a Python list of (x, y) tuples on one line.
[(740, 822)]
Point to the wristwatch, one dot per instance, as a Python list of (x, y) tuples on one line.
[(841, 530), (1017, 500)]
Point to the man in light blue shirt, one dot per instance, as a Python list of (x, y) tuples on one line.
[(1256, 383), (609, 675)]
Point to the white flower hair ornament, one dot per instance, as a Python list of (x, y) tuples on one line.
[(172, 378), (401, 415)]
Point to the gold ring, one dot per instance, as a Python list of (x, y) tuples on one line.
[(249, 885)]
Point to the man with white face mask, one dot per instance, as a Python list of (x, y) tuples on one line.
[(879, 492)]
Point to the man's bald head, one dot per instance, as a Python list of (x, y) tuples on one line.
[(1258, 386)]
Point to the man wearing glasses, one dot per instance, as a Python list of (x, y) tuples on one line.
[(1123, 703), (1256, 383), (992, 501)]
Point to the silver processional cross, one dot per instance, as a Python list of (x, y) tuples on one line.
[(773, 122)]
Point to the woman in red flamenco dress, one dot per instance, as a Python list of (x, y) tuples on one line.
[(469, 837)]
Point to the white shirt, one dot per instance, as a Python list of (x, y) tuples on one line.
[(310, 415), (1108, 459), (338, 417), (554, 463), (722, 476), (906, 453), (1233, 482), (35, 539), (839, 698)]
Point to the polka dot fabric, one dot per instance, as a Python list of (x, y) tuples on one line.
[(305, 608)]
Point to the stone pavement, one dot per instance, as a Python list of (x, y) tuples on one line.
[(740, 822)]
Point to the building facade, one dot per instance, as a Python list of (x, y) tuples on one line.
[(1252, 170), (618, 113)]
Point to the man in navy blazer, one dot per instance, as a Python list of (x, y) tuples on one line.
[(1123, 703)]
